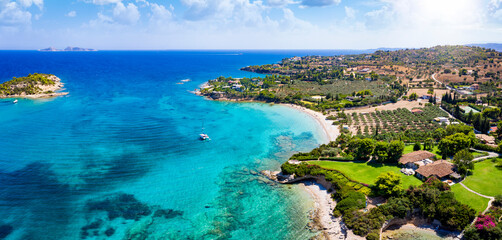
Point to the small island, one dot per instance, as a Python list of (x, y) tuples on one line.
[(68, 49), (35, 85)]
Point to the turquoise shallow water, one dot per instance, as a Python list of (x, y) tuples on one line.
[(119, 157)]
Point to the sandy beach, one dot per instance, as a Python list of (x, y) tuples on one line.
[(331, 131), (322, 217)]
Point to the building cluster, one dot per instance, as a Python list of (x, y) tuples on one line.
[(423, 165)]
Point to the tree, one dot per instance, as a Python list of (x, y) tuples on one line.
[(450, 145), (439, 133), (364, 148), (417, 146), (413, 96), (463, 160), (429, 144), (380, 153), (458, 128), (388, 184), (395, 151)]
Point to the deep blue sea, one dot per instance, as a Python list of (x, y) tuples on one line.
[(119, 157)]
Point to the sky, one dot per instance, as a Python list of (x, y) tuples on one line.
[(247, 24)]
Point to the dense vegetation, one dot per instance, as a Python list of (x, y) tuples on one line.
[(348, 148), (489, 225), (27, 85), (328, 95), (433, 198)]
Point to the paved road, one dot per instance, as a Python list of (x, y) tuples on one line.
[(440, 83), (479, 194), (490, 155)]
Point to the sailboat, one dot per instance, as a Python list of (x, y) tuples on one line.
[(203, 136)]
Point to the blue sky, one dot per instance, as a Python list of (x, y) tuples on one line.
[(247, 24)]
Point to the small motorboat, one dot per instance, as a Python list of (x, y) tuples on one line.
[(15, 101)]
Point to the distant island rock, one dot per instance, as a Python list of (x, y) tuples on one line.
[(35, 85), (68, 49)]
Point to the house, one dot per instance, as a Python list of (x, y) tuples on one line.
[(441, 119), (416, 110), (493, 129), (410, 160), (486, 139), (351, 98), (441, 169), (427, 96), (237, 87), (474, 87)]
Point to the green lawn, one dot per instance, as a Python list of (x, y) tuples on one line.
[(462, 195), (366, 173), (409, 148), (486, 178), (477, 154), (435, 150)]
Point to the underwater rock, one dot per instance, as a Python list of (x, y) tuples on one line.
[(121, 205), (167, 213), (5, 230), (109, 232), (93, 225)]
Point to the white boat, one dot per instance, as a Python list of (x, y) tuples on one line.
[(15, 101), (204, 136)]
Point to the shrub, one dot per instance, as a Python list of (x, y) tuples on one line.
[(351, 200), (417, 146), (498, 201), (484, 222), (373, 235), (388, 184)]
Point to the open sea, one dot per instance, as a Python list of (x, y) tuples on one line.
[(119, 157)]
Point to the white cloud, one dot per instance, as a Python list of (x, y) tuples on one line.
[(280, 3), (14, 15), (319, 3), (160, 15), (126, 14), (71, 14), (291, 22), (350, 13), (29, 3), (225, 11), (105, 2)]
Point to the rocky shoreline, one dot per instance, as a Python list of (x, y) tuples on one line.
[(322, 219)]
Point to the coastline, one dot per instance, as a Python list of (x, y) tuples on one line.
[(321, 216), (331, 131)]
